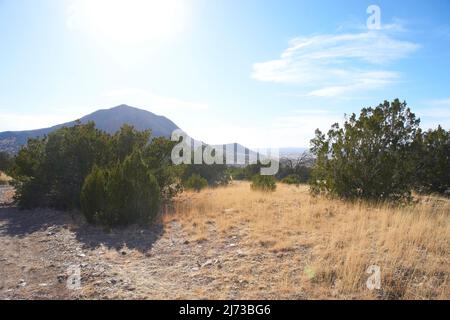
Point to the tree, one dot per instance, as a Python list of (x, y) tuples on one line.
[(263, 183), (29, 176), (70, 154), (127, 140), (370, 157), (196, 183), (5, 161), (433, 161), (298, 169), (157, 157), (122, 194)]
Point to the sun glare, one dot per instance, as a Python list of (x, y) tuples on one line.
[(133, 21)]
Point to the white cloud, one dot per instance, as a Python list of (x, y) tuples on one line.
[(331, 65), (440, 102)]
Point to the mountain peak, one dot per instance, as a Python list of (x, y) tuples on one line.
[(123, 106), (108, 120)]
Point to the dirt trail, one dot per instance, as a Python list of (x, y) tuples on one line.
[(38, 248)]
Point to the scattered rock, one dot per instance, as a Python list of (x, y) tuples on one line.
[(61, 278), (130, 288), (207, 263), (21, 283), (231, 210), (241, 253)]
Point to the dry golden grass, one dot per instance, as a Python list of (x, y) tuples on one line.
[(306, 247), (4, 178)]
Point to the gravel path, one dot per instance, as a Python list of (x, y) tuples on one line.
[(42, 250)]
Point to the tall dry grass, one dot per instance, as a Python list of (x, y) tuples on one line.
[(306, 247), (4, 179)]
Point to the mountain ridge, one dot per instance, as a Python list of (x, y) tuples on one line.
[(111, 120), (108, 120)]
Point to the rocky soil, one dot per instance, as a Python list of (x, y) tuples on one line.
[(40, 252)]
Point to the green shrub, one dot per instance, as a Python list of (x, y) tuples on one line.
[(214, 174), (237, 173), (29, 193), (157, 157), (370, 157), (57, 165), (263, 183), (51, 171), (5, 161), (93, 196), (291, 179), (195, 182), (123, 194), (433, 161)]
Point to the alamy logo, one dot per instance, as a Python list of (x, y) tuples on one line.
[(189, 151), (374, 20), (74, 277), (374, 281)]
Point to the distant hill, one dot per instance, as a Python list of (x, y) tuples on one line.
[(109, 120), (292, 153)]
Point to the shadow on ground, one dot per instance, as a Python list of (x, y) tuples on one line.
[(20, 223)]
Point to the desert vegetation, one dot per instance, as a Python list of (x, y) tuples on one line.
[(303, 246), (373, 192), (113, 179), (382, 155)]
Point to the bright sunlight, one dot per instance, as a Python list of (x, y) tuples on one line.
[(130, 21)]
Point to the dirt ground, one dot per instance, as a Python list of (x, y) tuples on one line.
[(39, 249), (214, 247)]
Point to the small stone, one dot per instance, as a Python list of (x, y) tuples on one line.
[(81, 255), (241, 253), (231, 245), (195, 269), (207, 263), (22, 283), (123, 252), (61, 277)]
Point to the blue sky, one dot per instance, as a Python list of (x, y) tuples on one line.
[(264, 73)]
